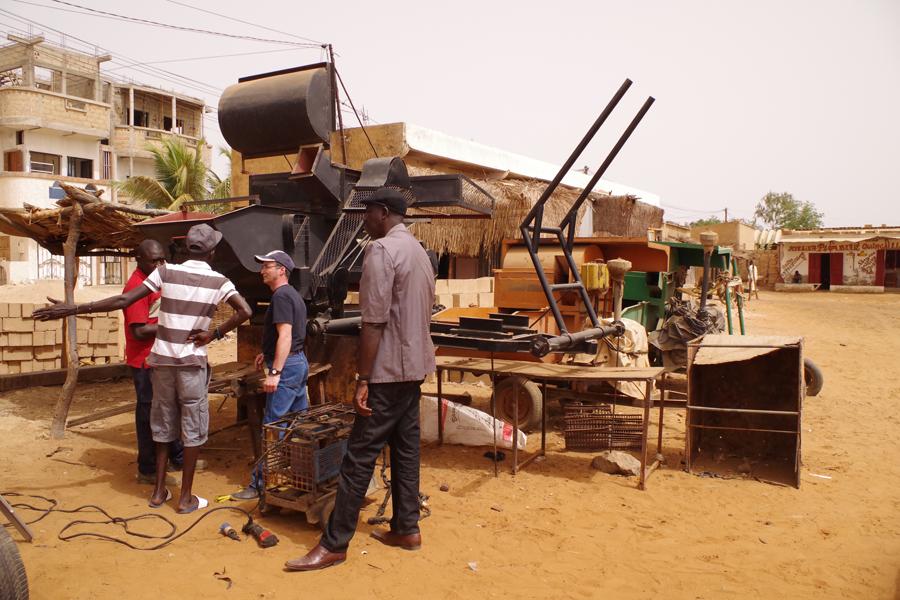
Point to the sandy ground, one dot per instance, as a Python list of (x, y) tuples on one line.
[(557, 530)]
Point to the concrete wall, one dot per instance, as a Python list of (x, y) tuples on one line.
[(859, 259), (28, 108), (735, 234)]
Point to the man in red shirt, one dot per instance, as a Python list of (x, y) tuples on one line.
[(140, 332)]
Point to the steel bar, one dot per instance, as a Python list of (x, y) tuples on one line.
[(569, 219), (542, 346), (440, 401), (567, 166), (740, 307), (648, 386), (728, 310), (744, 429), (749, 411)]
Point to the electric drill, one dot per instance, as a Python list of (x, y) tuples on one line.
[(263, 537)]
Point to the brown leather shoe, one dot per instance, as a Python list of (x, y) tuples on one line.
[(412, 541), (317, 558)]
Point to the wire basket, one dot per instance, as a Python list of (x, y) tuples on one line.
[(596, 427), (304, 450)]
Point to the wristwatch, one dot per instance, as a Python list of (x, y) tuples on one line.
[(274, 371), (361, 378)]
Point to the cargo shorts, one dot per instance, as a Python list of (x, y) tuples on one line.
[(180, 407)]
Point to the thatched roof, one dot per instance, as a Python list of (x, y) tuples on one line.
[(625, 216), (514, 198), (105, 226)]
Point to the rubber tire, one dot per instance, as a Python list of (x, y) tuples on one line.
[(529, 399), (813, 376), (13, 581)]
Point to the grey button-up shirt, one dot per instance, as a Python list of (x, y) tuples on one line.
[(397, 289)]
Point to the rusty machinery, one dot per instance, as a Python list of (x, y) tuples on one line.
[(312, 211)]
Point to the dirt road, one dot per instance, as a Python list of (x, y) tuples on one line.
[(557, 530)]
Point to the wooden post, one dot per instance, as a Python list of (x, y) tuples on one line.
[(61, 413)]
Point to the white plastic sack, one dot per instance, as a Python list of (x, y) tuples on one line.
[(464, 425)]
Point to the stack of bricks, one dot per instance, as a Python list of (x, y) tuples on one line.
[(465, 292), (27, 345)]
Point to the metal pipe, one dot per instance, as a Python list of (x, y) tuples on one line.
[(708, 239), (542, 346), (346, 326), (569, 219), (563, 171)]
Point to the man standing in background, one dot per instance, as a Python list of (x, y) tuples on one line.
[(282, 358), (140, 332), (190, 293), (396, 294)]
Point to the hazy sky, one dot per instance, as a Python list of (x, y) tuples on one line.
[(799, 96)]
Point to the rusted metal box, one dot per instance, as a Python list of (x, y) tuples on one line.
[(745, 397)]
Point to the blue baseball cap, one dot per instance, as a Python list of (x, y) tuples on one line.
[(278, 256)]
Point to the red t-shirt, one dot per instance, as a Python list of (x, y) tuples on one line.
[(145, 310)]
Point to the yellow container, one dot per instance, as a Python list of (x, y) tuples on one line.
[(595, 276)]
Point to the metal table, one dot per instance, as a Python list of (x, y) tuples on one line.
[(546, 373)]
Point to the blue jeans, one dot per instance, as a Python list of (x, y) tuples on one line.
[(289, 396)]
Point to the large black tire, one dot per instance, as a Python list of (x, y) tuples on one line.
[(13, 582), (813, 376), (529, 401)]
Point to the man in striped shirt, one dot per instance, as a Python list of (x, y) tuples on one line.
[(189, 295)]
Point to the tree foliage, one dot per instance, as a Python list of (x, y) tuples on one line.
[(705, 221), (783, 211), (180, 175)]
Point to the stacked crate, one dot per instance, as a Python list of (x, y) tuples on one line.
[(27, 345)]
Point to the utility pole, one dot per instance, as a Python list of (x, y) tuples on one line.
[(726, 215)]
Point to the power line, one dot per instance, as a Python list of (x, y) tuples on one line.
[(116, 16), (210, 12), (175, 60), (135, 64)]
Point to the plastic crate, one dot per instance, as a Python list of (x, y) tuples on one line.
[(304, 450)]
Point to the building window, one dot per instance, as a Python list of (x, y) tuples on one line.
[(111, 270), (81, 87), (141, 118), (12, 161), (11, 77), (41, 162), (20, 138), (48, 79), (107, 172), (80, 167)]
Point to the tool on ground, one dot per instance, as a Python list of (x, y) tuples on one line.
[(263, 537), (229, 531)]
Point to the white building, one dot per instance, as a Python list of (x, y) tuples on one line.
[(62, 121)]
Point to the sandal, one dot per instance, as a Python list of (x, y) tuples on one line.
[(168, 497)]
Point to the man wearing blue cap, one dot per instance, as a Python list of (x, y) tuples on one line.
[(282, 354)]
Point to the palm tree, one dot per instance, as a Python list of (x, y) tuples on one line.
[(218, 187), (181, 176)]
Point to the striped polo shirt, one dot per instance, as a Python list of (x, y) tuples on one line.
[(190, 293)]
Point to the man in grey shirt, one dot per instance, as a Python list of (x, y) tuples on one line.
[(396, 295)]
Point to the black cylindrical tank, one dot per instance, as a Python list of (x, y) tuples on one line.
[(276, 113)]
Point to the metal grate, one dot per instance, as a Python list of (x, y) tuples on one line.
[(345, 233), (596, 427), (304, 450)]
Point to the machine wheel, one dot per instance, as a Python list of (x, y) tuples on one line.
[(813, 376), (13, 582), (529, 401)]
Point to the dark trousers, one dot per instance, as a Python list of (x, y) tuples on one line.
[(143, 389), (394, 421)]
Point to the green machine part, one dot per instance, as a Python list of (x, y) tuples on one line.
[(649, 289)]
